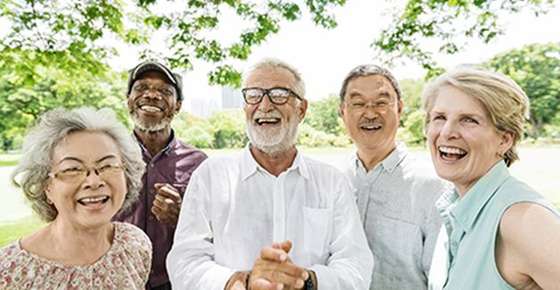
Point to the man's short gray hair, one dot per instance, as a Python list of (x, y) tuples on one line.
[(365, 70), (273, 63), (31, 173)]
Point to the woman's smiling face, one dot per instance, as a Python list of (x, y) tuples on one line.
[(92, 199), (463, 141)]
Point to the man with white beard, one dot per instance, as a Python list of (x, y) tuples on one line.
[(154, 98), (269, 217)]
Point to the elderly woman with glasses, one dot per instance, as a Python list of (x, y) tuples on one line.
[(498, 233), (78, 169)]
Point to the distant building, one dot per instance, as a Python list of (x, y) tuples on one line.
[(205, 106), (231, 98)]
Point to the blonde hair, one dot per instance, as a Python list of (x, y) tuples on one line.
[(505, 102)]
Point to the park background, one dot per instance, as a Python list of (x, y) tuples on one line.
[(76, 53)]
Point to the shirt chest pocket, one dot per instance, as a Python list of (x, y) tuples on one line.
[(396, 243), (317, 232)]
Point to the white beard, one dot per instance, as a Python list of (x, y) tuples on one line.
[(151, 126), (273, 141)]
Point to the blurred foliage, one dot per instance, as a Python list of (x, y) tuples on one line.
[(228, 129), (323, 115), (92, 26), (32, 83), (412, 117), (56, 26), (422, 23), (536, 68), (225, 129), (56, 53)]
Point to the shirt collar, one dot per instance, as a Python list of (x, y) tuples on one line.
[(249, 165), (468, 208), (171, 144), (389, 163)]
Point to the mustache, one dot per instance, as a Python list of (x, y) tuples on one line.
[(373, 121), (272, 114)]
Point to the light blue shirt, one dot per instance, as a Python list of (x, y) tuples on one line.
[(396, 204), (465, 250)]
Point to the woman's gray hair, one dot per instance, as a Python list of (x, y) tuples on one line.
[(504, 100), (273, 63), (31, 173)]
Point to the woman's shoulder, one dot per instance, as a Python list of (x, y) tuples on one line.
[(14, 266), (132, 244), (130, 236), (10, 254), (10, 250)]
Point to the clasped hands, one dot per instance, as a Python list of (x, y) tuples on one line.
[(167, 203), (272, 270)]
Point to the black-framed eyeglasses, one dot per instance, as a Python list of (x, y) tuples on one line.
[(276, 95)]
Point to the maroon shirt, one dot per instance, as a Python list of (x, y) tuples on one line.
[(173, 165)]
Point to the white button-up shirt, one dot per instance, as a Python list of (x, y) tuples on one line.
[(233, 208)]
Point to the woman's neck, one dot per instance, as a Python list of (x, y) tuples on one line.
[(69, 244)]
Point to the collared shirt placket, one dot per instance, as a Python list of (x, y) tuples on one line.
[(279, 205), (368, 181)]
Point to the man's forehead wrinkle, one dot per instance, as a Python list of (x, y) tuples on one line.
[(268, 78)]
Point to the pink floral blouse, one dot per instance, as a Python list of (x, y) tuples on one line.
[(125, 266)]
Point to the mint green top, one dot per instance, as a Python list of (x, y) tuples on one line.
[(472, 224)]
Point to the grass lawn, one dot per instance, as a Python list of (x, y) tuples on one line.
[(13, 230), (9, 159)]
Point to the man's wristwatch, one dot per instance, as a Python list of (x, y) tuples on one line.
[(308, 285)]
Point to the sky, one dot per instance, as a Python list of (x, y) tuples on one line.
[(325, 56)]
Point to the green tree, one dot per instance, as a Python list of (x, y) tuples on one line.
[(323, 115), (32, 83), (228, 129), (193, 130), (56, 54), (422, 23), (412, 118), (55, 26), (536, 68)]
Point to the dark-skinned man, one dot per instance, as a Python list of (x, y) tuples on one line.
[(154, 98)]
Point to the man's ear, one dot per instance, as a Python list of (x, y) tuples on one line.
[(400, 105), (178, 106), (129, 100), (302, 109)]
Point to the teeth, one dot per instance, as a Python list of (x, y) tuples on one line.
[(452, 150), (267, 120), (370, 126), (149, 108), (93, 199)]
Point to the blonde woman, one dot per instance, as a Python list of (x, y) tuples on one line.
[(498, 233)]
